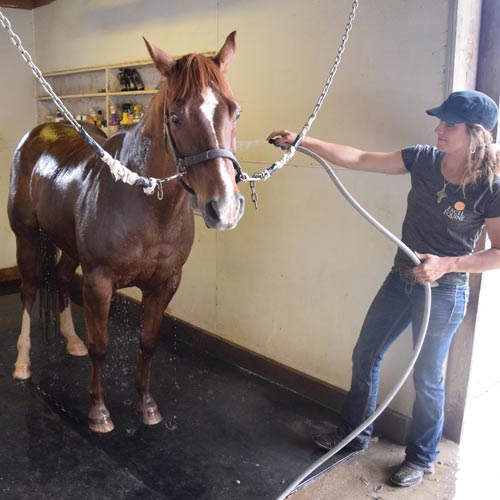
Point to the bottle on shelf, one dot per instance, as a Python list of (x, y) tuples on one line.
[(113, 124), (124, 120), (130, 80), (126, 114), (137, 113), (92, 116), (124, 80), (136, 78)]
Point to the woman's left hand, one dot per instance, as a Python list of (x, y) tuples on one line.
[(431, 268)]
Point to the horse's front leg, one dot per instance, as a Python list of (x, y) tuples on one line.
[(65, 270), (97, 292), (154, 302)]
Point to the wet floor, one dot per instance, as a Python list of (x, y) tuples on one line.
[(227, 434)]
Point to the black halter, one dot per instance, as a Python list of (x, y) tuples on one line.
[(182, 162)]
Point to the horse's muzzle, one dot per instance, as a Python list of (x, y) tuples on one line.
[(223, 214)]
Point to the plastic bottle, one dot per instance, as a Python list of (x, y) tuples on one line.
[(92, 116), (124, 120), (137, 113), (113, 120)]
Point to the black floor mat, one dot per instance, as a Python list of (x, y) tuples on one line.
[(227, 434)]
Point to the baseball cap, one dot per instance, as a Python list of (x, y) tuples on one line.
[(467, 106)]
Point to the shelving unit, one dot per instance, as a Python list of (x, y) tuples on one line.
[(95, 88)]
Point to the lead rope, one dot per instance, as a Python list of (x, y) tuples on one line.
[(118, 171), (290, 152)]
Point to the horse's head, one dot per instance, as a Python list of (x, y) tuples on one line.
[(200, 116)]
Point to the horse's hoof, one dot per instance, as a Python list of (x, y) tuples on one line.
[(101, 425), (77, 348), (22, 372), (150, 414), (100, 420), (150, 418)]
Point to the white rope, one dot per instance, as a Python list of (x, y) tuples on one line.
[(118, 171)]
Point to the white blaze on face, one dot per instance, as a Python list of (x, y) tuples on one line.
[(208, 108)]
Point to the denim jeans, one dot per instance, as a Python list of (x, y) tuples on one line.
[(396, 306)]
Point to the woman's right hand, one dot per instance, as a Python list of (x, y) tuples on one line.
[(282, 138)]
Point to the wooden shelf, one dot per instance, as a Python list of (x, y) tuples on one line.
[(95, 88), (100, 94), (75, 96)]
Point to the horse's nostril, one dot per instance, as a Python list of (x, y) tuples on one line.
[(241, 204), (212, 210)]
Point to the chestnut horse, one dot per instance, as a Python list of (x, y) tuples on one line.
[(120, 236)]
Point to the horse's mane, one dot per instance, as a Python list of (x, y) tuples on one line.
[(193, 73)]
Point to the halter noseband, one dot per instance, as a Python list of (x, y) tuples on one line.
[(182, 162)]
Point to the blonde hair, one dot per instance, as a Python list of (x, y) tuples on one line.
[(484, 157)]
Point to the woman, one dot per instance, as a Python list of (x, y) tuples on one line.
[(455, 191)]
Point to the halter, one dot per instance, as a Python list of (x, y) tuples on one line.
[(182, 162)]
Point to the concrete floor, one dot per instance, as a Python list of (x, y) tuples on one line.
[(365, 476), (465, 472)]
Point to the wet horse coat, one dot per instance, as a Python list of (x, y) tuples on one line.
[(118, 235)]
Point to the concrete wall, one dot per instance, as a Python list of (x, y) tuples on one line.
[(18, 114), (294, 280), (485, 371)]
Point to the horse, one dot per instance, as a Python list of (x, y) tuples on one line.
[(62, 193)]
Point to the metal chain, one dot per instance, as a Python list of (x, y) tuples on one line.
[(333, 71), (36, 71), (290, 152), (254, 195), (150, 184), (118, 171)]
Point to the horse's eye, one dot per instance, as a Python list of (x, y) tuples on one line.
[(175, 119)]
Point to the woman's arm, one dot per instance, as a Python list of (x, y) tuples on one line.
[(433, 267), (345, 156)]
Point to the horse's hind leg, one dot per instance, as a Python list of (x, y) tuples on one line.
[(28, 252), (154, 303), (97, 292), (65, 271)]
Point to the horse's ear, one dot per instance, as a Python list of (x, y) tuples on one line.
[(163, 62), (226, 53)]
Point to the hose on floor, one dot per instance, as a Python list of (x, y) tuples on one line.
[(418, 346)]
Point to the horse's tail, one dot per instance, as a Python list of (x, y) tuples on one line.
[(48, 284)]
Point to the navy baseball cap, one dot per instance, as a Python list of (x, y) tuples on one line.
[(467, 106)]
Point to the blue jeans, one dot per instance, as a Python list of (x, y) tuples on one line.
[(396, 306)]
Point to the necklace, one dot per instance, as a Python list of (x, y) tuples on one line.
[(442, 192)]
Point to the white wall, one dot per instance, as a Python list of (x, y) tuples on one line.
[(17, 114), (294, 280), (485, 371)]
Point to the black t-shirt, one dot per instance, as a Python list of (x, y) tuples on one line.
[(449, 227)]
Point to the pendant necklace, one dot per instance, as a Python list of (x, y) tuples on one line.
[(442, 192)]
